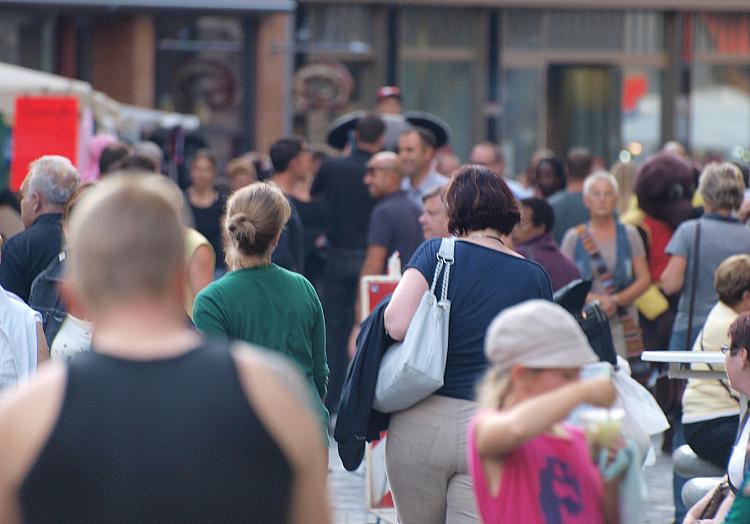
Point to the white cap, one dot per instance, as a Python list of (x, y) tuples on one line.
[(537, 334)]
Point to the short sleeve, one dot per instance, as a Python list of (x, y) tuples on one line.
[(568, 244), (425, 258), (11, 270), (379, 233), (680, 242), (209, 316), (637, 249)]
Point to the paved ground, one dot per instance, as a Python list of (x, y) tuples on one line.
[(347, 492)]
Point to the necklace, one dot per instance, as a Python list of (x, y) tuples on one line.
[(493, 237)]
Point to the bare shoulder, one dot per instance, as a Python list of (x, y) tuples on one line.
[(277, 393), (27, 416)]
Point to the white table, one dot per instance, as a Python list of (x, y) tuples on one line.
[(679, 362), (679, 366)]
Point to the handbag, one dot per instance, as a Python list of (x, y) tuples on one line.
[(414, 369), (590, 317), (714, 503), (631, 331), (595, 325)]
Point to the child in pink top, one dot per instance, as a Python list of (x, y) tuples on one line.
[(527, 466)]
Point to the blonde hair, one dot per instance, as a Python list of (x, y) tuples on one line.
[(625, 174), (732, 279), (125, 243), (241, 164), (722, 186), (493, 388), (255, 216)]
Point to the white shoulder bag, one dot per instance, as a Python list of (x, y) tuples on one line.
[(413, 369)]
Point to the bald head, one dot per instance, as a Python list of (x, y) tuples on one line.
[(384, 174), (488, 154)]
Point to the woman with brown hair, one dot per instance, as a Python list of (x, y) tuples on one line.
[(260, 302), (426, 447)]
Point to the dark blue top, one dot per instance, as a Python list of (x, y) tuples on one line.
[(483, 282), (394, 225), (340, 182), (290, 250), (28, 253)]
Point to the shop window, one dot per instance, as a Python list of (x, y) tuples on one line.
[(441, 68), (719, 109), (200, 65), (27, 40), (521, 117), (341, 39), (720, 85), (641, 111)]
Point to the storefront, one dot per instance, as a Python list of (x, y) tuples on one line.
[(553, 74), (226, 61)]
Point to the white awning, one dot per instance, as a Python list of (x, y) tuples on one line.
[(111, 115)]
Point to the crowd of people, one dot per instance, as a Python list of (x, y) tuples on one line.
[(199, 332)]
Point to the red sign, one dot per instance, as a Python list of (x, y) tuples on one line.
[(44, 125)]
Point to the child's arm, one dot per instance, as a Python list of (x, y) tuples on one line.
[(500, 432)]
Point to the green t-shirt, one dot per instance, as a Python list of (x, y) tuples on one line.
[(270, 307), (740, 512)]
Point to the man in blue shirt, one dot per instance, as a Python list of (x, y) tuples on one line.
[(416, 148), (50, 182)]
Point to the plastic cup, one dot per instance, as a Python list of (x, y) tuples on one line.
[(602, 426)]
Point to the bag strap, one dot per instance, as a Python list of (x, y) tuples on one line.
[(444, 259), (711, 368), (631, 331), (694, 281)]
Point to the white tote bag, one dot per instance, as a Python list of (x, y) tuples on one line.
[(413, 369)]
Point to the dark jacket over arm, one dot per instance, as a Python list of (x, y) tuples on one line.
[(357, 421)]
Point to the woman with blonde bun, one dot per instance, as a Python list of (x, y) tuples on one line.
[(260, 302)]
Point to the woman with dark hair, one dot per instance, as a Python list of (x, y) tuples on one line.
[(426, 448), (207, 202)]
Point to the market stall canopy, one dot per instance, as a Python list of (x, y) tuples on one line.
[(18, 81), (120, 119), (132, 120)]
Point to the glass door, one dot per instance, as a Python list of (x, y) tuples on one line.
[(583, 109)]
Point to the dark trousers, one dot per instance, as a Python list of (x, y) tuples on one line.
[(713, 439), (340, 281)]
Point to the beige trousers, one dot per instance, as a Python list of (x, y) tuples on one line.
[(426, 462)]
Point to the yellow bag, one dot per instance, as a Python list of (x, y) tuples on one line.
[(652, 303)]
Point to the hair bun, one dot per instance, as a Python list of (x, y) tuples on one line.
[(241, 229)]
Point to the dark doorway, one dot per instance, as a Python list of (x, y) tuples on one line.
[(583, 109)]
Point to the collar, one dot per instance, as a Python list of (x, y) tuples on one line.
[(395, 194), (360, 154), (48, 218), (721, 218), (545, 239)]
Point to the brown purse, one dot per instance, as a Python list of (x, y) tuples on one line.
[(717, 497)]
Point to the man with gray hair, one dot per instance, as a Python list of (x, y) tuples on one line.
[(48, 185)]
